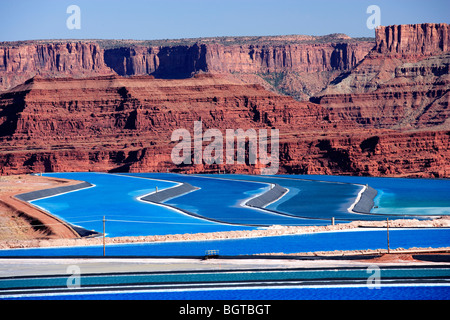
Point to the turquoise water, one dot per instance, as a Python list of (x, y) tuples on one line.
[(400, 195), (116, 197), (309, 202), (325, 241), (292, 284), (296, 284), (220, 199), (317, 201)]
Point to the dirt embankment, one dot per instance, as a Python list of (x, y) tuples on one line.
[(21, 221)]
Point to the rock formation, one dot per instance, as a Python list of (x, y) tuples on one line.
[(22, 61), (414, 39), (403, 83), (279, 63), (384, 113)]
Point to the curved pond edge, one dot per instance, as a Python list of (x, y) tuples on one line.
[(182, 188), (46, 193)]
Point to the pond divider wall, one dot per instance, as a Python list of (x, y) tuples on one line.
[(366, 203), (270, 196)]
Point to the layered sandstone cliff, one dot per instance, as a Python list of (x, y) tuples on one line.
[(115, 123), (112, 123), (382, 113), (20, 62), (279, 63), (403, 83), (421, 39)]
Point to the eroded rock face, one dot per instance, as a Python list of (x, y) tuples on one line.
[(106, 123), (421, 39), (402, 84), (279, 63), (19, 63)]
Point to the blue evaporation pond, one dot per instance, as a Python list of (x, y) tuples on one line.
[(400, 195), (313, 199), (220, 199), (115, 197), (325, 241)]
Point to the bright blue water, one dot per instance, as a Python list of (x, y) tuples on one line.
[(326, 241), (115, 197), (322, 293), (220, 199), (361, 292), (314, 200), (400, 195)]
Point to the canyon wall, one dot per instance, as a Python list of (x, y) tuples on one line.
[(308, 58), (183, 61), (111, 123), (421, 39), (320, 58), (379, 109), (20, 62)]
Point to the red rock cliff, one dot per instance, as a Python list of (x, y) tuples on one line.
[(20, 62), (423, 39), (279, 63), (385, 115), (300, 69), (125, 124), (403, 84)]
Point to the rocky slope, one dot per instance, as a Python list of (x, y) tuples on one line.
[(107, 123)]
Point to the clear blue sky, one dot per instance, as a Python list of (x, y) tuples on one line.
[(172, 19)]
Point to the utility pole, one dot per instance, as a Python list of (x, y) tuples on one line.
[(104, 220), (387, 229)]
